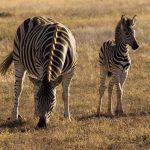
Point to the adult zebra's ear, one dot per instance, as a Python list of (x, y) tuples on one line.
[(134, 20), (35, 82), (56, 82)]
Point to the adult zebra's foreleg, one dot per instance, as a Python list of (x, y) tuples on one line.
[(19, 78), (103, 75), (66, 92)]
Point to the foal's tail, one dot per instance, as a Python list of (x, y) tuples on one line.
[(4, 66), (109, 74)]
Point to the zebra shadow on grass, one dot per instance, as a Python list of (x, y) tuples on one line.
[(104, 115), (14, 126)]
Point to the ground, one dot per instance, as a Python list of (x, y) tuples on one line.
[(92, 22)]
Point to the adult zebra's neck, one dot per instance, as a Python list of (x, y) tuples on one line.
[(121, 46)]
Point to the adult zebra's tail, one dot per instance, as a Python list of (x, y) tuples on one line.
[(4, 66)]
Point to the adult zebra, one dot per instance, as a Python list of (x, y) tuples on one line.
[(115, 61), (46, 49)]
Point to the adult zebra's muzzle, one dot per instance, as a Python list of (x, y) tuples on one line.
[(42, 123), (135, 46)]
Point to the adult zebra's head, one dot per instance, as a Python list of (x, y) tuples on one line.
[(45, 98), (128, 32)]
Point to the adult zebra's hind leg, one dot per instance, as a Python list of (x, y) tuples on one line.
[(19, 78), (65, 94), (103, 75)]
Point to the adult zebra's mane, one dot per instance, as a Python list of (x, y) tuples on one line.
[(47, 76)]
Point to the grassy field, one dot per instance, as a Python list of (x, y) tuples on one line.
[(92, 22)]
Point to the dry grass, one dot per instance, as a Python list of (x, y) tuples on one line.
[(92, 22)]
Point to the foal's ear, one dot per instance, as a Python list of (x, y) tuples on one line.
[(123, 19), (134, 20), (36, 82)]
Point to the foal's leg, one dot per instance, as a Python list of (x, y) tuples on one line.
[(123, 78), (122, 81), (110, 89), (119, 92), (103, 75)]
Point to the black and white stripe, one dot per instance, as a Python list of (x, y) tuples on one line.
[(46, 49), (114, 60)]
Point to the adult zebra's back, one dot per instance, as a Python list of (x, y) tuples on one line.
[(45, 49)]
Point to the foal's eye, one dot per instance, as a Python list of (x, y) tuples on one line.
[(126, 33)]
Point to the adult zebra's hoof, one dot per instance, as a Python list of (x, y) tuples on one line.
[(120, 113), (20, 118), (109, 115), (67, 117), (99, 114), (41, 123)]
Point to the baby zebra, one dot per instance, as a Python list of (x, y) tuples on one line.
[(46, 49), (115, 61)]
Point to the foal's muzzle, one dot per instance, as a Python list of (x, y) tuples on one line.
[(135, 45)]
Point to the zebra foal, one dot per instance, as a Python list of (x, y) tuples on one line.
[(115, 61), (45, 49)]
